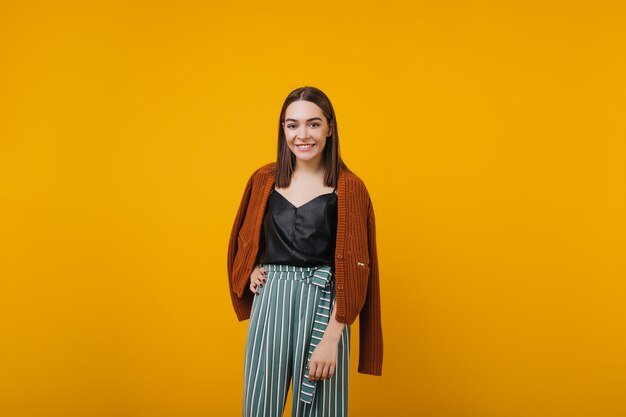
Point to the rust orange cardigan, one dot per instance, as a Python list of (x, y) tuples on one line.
[(356, 264)]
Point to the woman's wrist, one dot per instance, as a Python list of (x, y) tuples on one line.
[(333, 332)]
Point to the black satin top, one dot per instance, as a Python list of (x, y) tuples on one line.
[(300, 236)]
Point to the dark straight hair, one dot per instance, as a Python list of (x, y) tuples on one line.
[(331, 159)]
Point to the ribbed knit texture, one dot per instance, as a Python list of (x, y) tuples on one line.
[(356, 260)]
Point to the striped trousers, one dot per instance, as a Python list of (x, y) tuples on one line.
[(287, 320)]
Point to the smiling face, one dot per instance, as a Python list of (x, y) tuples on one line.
[(306, 130)]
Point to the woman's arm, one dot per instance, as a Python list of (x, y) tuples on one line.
[(370, 325), (242, 305), (324, 358), (334, 329)]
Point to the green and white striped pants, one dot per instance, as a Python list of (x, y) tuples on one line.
[(288, 318)]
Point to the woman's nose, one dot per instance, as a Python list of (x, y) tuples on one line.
[(303, 132)]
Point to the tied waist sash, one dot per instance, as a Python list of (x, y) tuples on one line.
[(320, 276)]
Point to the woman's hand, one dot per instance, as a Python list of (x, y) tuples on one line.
[(323, 360), (257, 278)]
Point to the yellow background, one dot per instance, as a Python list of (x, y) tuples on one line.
[(490, 136)]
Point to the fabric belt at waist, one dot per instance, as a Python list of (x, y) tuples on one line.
[(322, 277)]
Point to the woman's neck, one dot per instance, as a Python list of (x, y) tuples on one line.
[(308, 168)]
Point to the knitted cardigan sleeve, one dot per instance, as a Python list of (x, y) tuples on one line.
[(371, 347), (240, 304)]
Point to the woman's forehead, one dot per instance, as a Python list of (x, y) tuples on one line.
[(303, 110)]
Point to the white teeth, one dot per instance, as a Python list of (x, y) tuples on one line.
[(304, 146)]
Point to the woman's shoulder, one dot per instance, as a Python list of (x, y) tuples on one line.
[(263, 170), (354, 180), (267, 168)]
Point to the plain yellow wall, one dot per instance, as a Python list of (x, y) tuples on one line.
[(490, 135)]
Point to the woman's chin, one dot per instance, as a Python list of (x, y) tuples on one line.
[(308, 158)]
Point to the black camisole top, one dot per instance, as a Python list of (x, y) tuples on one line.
[(300, 236)]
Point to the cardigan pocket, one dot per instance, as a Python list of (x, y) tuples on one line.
[(241, 256), (363, 276), (242, 241)]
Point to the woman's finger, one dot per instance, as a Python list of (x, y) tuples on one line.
[(254, 284), (324, 374), (312, 370), (331, 371), (318, 372)]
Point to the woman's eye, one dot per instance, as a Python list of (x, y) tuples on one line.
[(291, 126)]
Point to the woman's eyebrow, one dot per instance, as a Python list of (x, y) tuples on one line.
[(308, 120)]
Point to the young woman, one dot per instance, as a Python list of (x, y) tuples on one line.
[(302, 265)]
